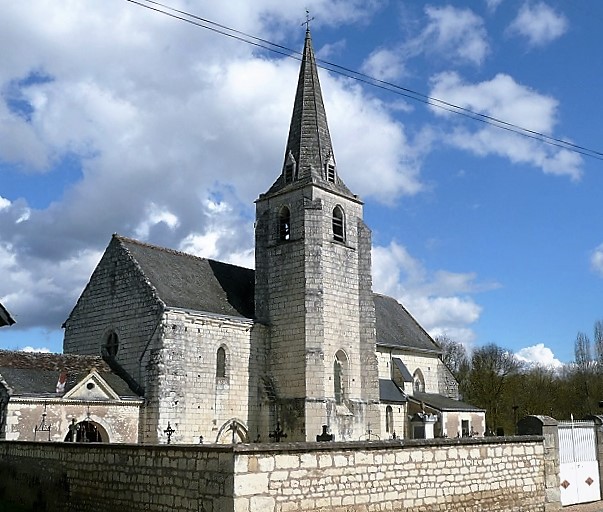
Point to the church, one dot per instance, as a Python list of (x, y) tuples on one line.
[(164, 346)]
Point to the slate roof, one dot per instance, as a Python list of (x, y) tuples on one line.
[(189, 282), (309, 141), (442, 403), (198, 284), (396, 327), (402, 368), (37, 374), (5, 318), (389, 392)]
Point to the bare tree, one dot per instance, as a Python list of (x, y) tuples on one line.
[(599, 345), (454, 355), (582, 352), (491, 367)]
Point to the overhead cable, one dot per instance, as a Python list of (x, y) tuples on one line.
[(366, 79)]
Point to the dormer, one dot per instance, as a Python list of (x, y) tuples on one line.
[(330, 172), (290, 168)]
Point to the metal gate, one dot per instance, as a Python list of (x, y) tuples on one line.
[(579, 468)]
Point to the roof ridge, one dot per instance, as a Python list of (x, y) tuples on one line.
[(169, 250), (53, 361)]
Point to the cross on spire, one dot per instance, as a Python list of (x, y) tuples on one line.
[(308, 20)]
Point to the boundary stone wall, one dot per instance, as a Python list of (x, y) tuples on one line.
[(494, 474)]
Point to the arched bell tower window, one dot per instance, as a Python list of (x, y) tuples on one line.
[(338, 224), (221, 363), (112, 344), (284, 224), (340, 375)]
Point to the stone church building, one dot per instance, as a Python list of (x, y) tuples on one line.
[(177, 348)]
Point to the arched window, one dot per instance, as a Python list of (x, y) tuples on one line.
[(389, 419), (338, 224), (284, 224), (112, 344), (221, 363), (340, 371), (418, 381)]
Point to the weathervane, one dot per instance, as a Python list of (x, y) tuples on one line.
[(308, 20)]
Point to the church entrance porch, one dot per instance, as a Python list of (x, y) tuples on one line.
[(86, 432)]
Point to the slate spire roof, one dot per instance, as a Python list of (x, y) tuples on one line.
[(309, 146)]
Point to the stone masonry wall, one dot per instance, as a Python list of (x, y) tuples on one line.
[(189, 395), (503, 474), (78, 477), (495, 474)]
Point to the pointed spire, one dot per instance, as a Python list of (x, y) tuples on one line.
[(309, 142), (309, 154)]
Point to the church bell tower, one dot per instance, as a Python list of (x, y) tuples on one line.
[(313, 283)]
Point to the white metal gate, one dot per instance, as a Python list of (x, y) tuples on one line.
[(579, 468)]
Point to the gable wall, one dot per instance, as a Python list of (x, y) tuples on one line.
[(116, 298)]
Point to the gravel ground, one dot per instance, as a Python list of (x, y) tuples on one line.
[(595, 506)]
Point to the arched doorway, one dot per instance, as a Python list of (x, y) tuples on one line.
[(232, 432), (86, 432)]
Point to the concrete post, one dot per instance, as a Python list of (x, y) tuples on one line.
[(598, 419), (548, 428)]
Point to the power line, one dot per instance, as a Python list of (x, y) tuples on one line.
[(366, 79)]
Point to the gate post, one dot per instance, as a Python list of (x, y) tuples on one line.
[(547, 427), (598, 419)]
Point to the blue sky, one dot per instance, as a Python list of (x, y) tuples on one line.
[(115, 118)]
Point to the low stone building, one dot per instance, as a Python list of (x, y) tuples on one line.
[(56, 397), (224, 354)]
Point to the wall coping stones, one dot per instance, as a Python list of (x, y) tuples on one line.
[(298, 447)]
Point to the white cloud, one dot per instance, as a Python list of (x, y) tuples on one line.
[(493, 4), (384, 64), (173, 131), (538, 23), (43, 350), (503, 98), (450, 34), (459, 32), (539, 355), (155, 215), (37, 294), (441, 301), (596, 260)]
